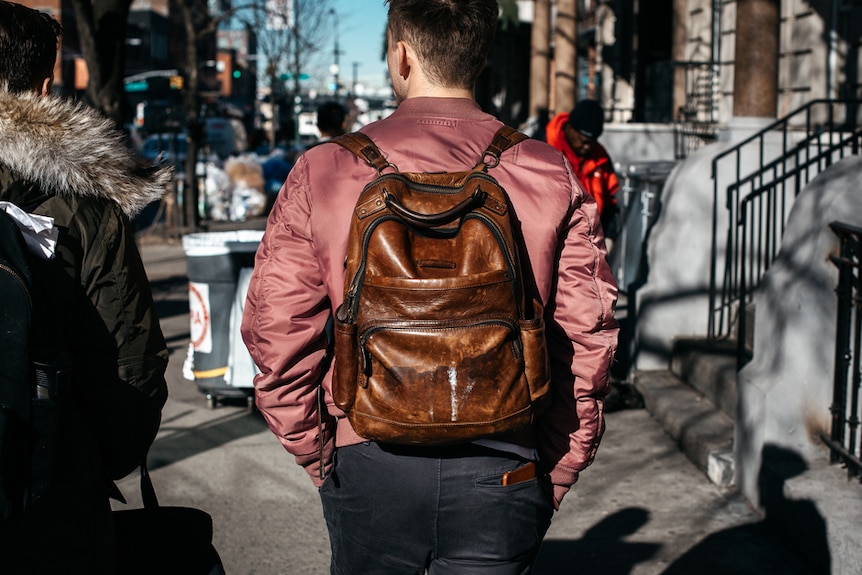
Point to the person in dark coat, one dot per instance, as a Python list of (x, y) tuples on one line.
[(65, 160)]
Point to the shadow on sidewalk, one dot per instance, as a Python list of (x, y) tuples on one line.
[(749, 549), (184, 442), (602, 549)]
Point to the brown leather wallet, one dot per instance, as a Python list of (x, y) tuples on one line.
[(523, 473)]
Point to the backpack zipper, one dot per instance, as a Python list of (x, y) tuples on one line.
[(430, 325), (510, 262), (20, 280), (351, 300)]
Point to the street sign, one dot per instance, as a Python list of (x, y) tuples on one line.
[(140, 86)]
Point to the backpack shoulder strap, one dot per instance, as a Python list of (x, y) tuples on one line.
[(505, 138), (365, 149)]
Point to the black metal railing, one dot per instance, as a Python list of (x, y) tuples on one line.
[(696, 120), (785, 156), (843, 440)]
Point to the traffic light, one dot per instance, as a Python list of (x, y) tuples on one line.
[(237, 74), (176, 83)]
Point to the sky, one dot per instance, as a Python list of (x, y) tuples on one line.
[(361, 25)]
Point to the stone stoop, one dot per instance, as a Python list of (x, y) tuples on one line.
[(710, 368), (694, 402)]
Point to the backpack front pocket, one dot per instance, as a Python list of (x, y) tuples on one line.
[(420, 377)]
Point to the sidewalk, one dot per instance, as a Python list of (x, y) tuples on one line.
[(641, 509)]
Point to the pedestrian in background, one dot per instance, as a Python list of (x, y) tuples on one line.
[(404, 509), (576, 134), (66, 161), (331, 121)]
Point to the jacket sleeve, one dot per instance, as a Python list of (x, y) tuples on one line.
[(582, 339), (612, 183), (283, 328), (121, 346)]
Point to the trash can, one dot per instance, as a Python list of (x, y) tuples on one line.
[(214, 263)]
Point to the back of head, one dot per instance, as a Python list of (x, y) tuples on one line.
[(330, 118), (452, 38), (28, 46)]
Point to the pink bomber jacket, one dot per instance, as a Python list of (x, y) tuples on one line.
[(298, 280)]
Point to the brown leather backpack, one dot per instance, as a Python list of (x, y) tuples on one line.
[(435, 342)]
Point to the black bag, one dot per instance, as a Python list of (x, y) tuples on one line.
[(164, 540), (15, 390), (35, 375), (439, 338), (30, 387)]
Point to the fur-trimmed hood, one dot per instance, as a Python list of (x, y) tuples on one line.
[(68, 148)]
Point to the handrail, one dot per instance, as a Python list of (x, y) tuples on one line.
[(843, 440), (759, 202)]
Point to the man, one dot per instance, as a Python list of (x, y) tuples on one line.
[(407, 509), (576, 134), (331, 122), (63, 160)]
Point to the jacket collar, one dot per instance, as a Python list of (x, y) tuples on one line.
[(461, 108), (67, 148)]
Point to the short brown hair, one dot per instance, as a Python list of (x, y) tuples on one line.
[(452, 38), (28, 46)]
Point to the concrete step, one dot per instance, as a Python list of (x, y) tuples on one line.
[(709, 367), (701, 430)]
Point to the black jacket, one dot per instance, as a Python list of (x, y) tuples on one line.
[(64, 160)]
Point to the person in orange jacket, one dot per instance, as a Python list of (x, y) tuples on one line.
[(576, 134)]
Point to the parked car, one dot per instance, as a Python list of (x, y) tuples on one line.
[(165, 147), (223, 137)]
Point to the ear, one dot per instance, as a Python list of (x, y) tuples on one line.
[(46, 86), (402, 54)]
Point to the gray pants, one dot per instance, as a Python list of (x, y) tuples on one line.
[(404, 510)]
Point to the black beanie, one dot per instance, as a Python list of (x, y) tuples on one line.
[(587, 118)]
